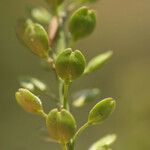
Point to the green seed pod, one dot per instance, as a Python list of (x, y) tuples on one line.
[(28, 101), (34, 37), (82, 22), (61, 125), (70, 64), (101, 111)]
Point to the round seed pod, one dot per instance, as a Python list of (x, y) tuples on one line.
[(82, 23), (61, 125), (28, 101), (70, 64)]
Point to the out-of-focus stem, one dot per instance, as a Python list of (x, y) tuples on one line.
[(65, 147), (65, 98)]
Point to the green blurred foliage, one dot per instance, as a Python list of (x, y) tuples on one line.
[(123, 26)]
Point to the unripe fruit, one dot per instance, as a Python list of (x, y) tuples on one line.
[(36, 39), (34, 36), (28, 101), (101, 111), (70, 64), (82, 22), (61, 125)]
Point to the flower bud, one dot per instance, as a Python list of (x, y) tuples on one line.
[(82, 22), (98, 61), (34, 37), (101, 111), (70, 64), (61, 125), (28, 101)]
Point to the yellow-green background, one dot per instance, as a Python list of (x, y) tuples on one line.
[(123, 26)]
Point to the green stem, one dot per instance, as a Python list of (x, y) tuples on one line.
[(86, 125), (65, 98), (60, 91), (65, 147), (71, 145), (72, 43), (43, 114)]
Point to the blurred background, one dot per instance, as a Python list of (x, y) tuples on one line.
[(124, 27)]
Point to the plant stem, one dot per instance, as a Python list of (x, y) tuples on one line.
[(86, 125), (60, 86), (65, 147), (72, 43), (43, 114), (71, 145), (65, 98)]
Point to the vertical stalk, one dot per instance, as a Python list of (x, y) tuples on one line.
[(65, 98), (60, 86), (71, 145), (65, 147)]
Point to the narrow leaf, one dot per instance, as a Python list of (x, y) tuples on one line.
[(104, 143), (97, 62), (85, 96), (41, 15)]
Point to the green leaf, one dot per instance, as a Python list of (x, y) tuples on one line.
[(101, 111), (38, 84), (32, 84), (61, 125), (41, 15), (104, 143), (70, 64), (82, 22), (90, 1), (85, 96), (98, 62)]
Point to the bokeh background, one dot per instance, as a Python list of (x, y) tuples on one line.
[(124, 27)]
